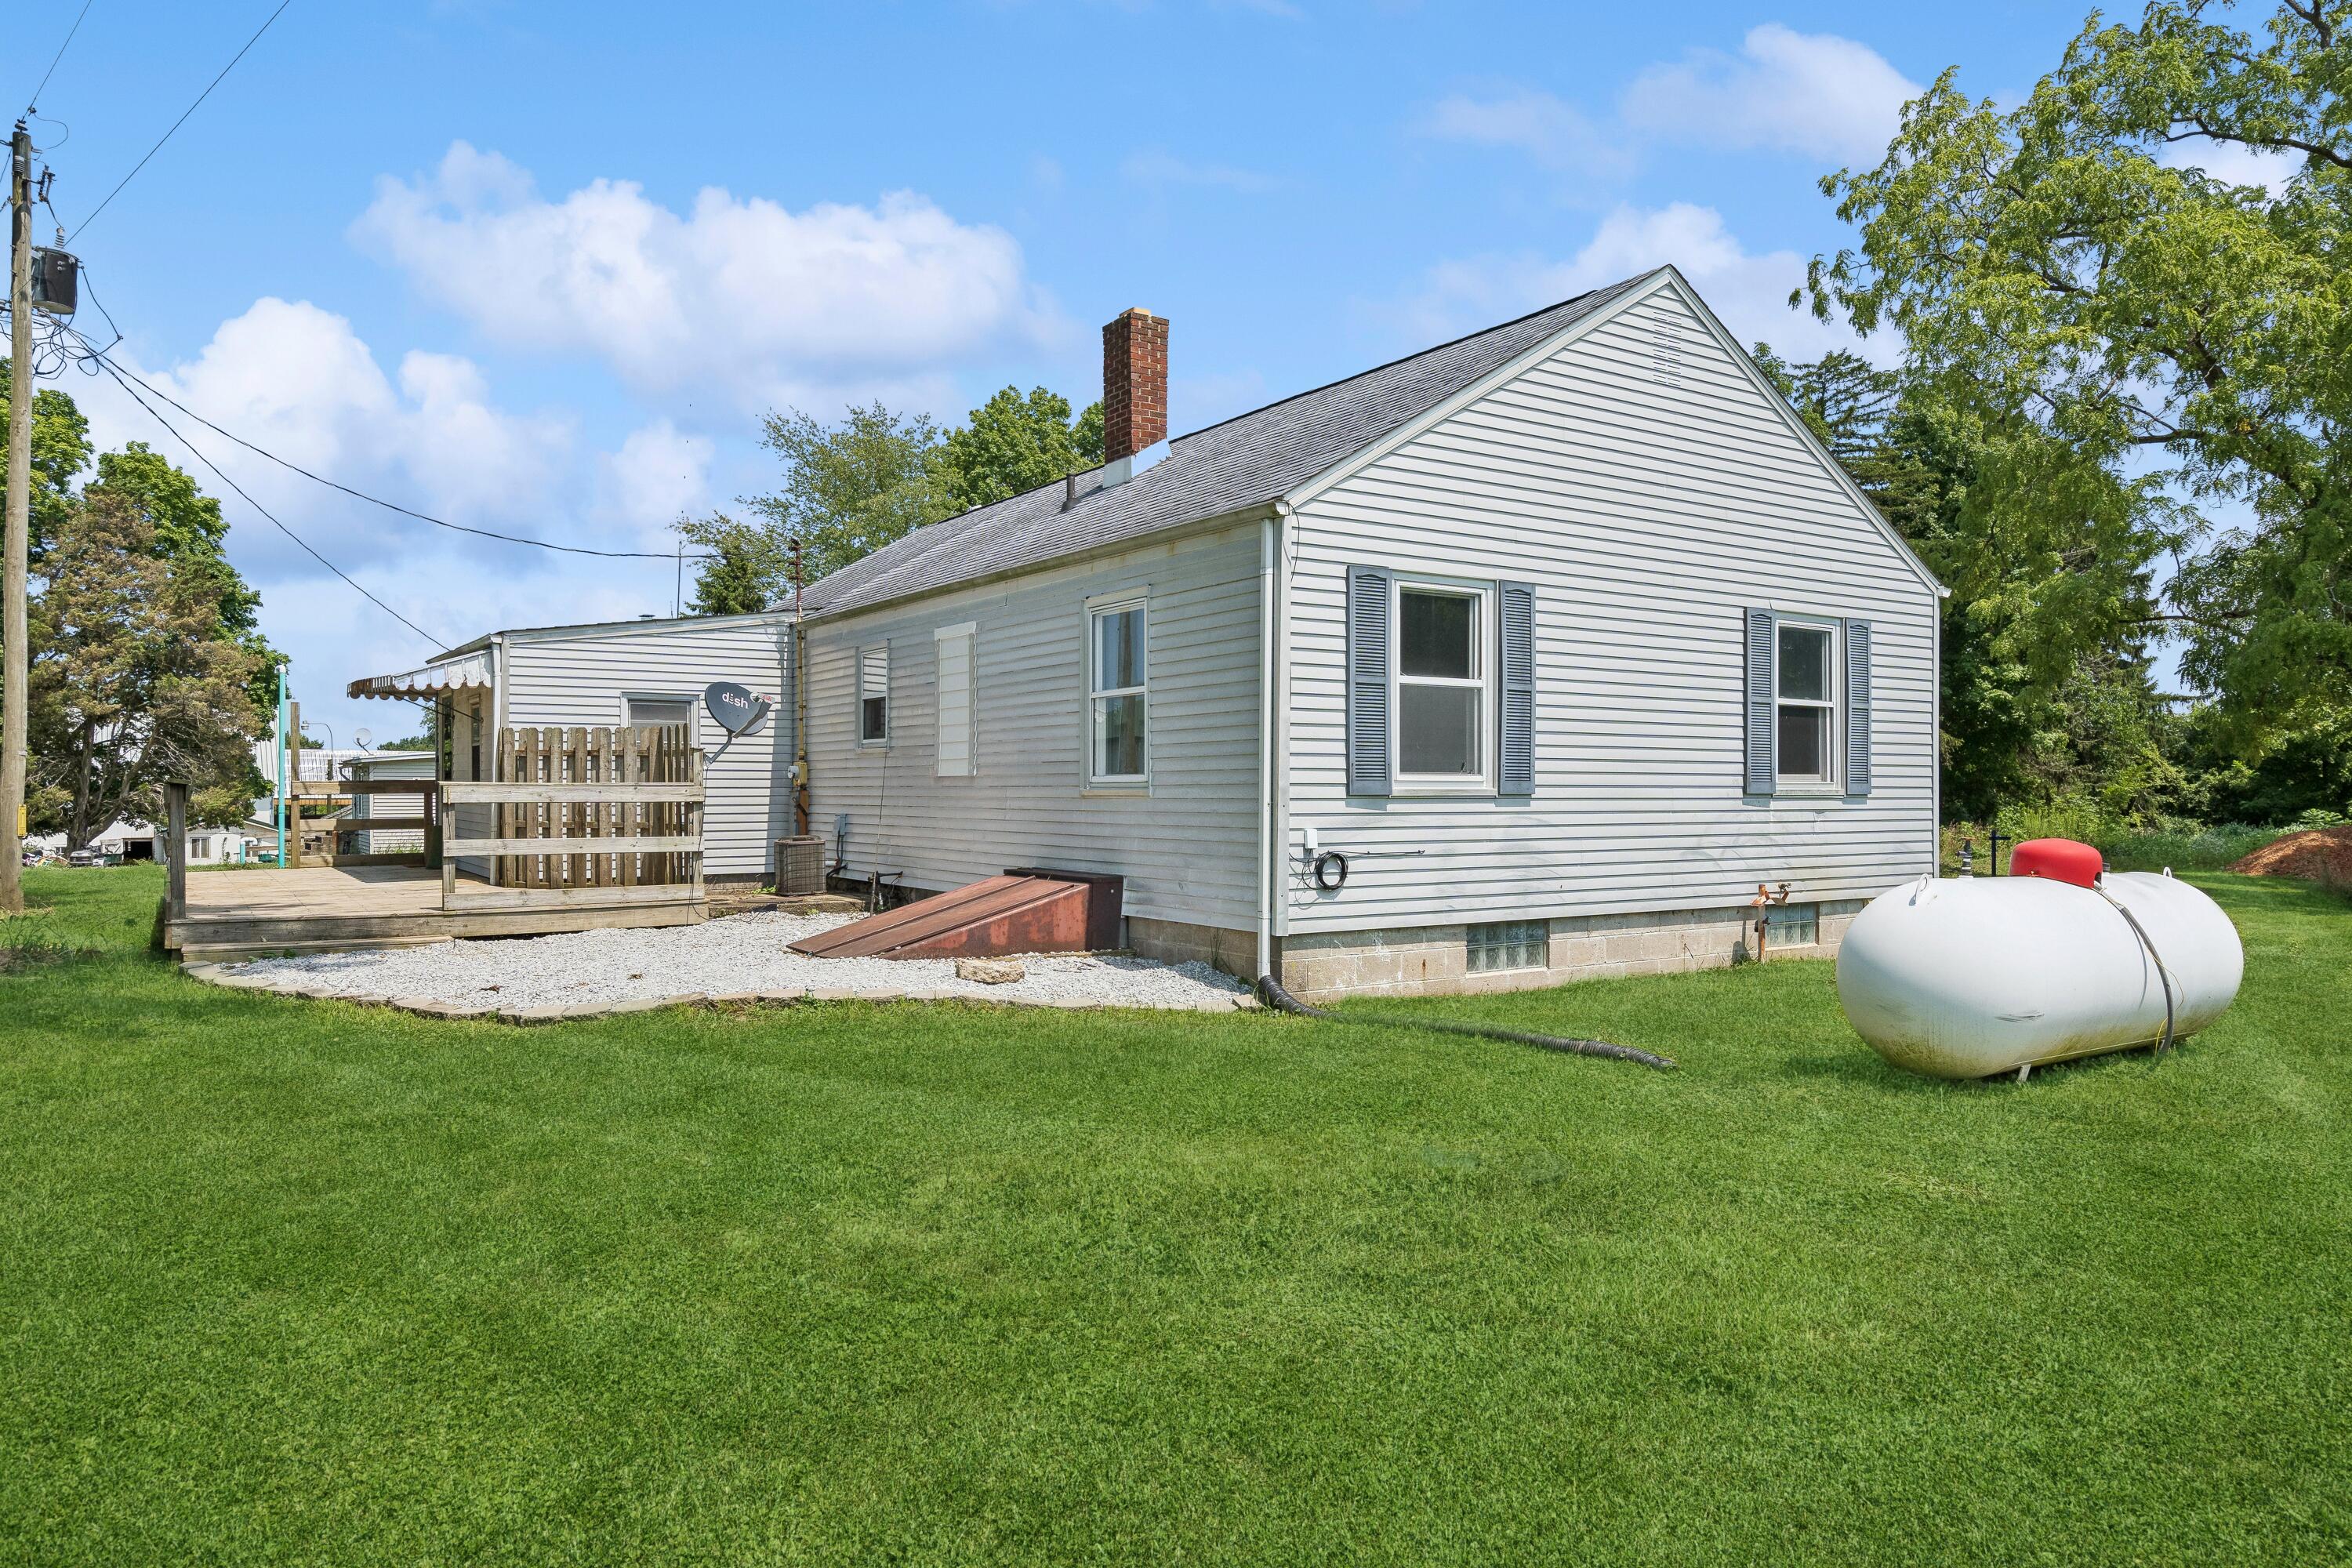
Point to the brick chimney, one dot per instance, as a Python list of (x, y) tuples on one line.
[(1135, 392)]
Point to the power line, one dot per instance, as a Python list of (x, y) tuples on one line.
[(437, 643), (182, 120), (31, 102), (363, 495)]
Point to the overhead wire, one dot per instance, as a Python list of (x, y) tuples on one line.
[(182, 121), (33, 101), (122, 381), (363, 495)]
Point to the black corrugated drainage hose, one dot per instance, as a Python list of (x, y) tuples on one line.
[(1270, 990)]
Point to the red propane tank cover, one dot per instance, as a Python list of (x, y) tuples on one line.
[(2060, 859)]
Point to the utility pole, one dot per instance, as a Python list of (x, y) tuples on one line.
[(800, 704), (13, 633)]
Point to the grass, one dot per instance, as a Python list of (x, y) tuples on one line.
[(284, 1281)]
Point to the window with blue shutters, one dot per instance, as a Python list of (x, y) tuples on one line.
[(1441, 685), (1808, 704)]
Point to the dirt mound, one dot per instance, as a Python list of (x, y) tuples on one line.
[(2321, 854)]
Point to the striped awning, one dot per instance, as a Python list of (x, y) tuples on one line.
[(471, 671)]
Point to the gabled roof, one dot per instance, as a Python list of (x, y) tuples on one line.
[(1248, 461)]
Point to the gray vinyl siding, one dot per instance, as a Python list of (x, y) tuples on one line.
[(581, 678), (1648, 514), (1187, 847)]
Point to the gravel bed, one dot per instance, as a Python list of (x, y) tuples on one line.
[(718, 958)]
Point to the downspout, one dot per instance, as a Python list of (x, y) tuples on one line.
[(1269, 859)]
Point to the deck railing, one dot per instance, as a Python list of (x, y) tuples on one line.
[(582, 816)]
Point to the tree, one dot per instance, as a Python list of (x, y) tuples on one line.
[(852, 487), (2131, 339), (2030, 640), (60, 452), (1014, 444), (189, 529), (409, 743), (747, 569), (132, 683)]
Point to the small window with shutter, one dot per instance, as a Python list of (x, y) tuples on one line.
[(874, 695)]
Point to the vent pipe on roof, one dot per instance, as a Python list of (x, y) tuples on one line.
[(1134, 394)]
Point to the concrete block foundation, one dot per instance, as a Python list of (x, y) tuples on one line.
[(1435, 960)]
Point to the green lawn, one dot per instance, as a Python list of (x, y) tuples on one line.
[(297, 1282)]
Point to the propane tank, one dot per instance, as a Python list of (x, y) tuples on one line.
[(1966, 977)]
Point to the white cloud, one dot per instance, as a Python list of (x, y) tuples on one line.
[(739, 292), (2234, 164), (1555, 133), (1748, 290), (658, 474), (1812, 93), (1159, 168), (297, 381)]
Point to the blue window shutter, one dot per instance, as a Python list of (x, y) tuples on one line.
[(1369, 723), (1516, 616), (1763, 739), (1857, 708)]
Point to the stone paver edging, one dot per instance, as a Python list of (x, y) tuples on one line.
[(428, 1007)]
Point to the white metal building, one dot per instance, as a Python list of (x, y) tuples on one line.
[(1564, 635)]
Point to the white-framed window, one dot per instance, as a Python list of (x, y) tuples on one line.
[(657, 708), (1805, 690), (954, 687), (1443, 683), (1117, 703), (874, 695)]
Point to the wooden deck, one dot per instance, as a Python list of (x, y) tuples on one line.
[(327, 908)]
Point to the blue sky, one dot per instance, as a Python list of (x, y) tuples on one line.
[(542, 266)]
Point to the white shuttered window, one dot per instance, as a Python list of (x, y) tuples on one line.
[(954, 644), (874, 695)]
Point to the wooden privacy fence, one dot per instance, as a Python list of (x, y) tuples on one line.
[(585, 817)]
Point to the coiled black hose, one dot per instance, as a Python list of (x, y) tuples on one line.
[(1270, 991)]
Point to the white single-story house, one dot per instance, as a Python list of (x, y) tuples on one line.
[(643, 672), (1526, 658)]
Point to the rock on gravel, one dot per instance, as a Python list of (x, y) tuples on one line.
[(990, 971), (740, 954)]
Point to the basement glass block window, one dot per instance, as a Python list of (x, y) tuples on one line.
[(1510, 944), (1792, 925)]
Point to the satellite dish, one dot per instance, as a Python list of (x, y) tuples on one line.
[(738, 711), (361, 738)]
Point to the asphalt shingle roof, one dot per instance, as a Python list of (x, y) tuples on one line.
[(1249, 461)]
